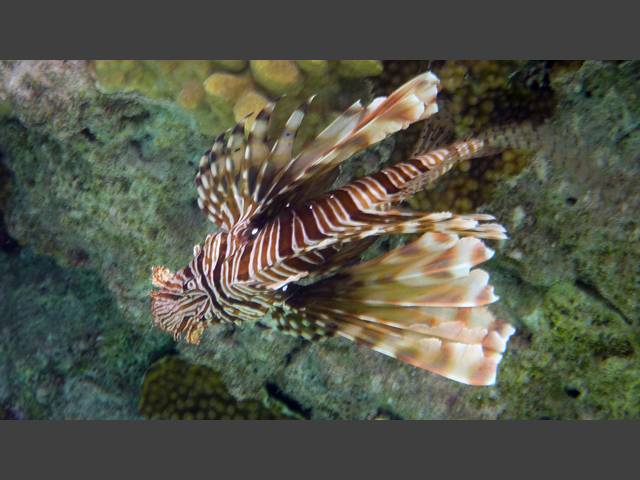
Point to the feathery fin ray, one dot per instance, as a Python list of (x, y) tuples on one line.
[(425, 303), (422, 304)]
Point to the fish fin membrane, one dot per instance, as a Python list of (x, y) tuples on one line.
[(424, 304)]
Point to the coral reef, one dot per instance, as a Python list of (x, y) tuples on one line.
[(277, 76), (175, 389), (488, 92), (218, 92), (478, 95), (313, 68), (104, 181), (169, 80), (475, 95), (359, 68)]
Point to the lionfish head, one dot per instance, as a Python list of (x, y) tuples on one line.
[(179, 306)]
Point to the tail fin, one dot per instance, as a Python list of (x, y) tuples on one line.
[(423, 304)]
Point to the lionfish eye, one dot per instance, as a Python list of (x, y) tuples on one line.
[(191, 284)]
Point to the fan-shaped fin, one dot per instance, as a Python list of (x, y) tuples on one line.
[(308, 173), (422, 303)]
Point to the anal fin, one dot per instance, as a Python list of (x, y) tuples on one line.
[(423, 304)]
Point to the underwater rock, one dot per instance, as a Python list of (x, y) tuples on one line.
[(104, 181), (570, 273), (66, 350), (579, 202)]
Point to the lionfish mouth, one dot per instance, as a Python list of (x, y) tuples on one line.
[(161, 277)]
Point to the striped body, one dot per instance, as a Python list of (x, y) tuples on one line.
[(298, 235), (279, 225)]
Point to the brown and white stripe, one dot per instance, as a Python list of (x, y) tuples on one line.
[(424, 303)]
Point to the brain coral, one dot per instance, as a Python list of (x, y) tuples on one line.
[(176, 389)]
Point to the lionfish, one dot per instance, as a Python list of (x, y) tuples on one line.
[(287, 248)]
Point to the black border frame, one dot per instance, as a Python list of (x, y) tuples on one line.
[(319, 449), (400, 30)]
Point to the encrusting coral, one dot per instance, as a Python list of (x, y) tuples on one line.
[(176, 389), (478, 95)]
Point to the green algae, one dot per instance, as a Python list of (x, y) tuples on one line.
[(573, 358), (155, 79), (5, 109)]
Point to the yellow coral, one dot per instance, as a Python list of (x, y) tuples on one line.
[(359, 68), (227, 86), (277, 76), (231, 89), (231, 65), (470, 87), (313, 67), (250, 103)]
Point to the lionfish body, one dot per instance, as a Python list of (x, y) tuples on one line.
[(287, 247)]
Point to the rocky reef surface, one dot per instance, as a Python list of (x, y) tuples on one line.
[(97, 186)]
